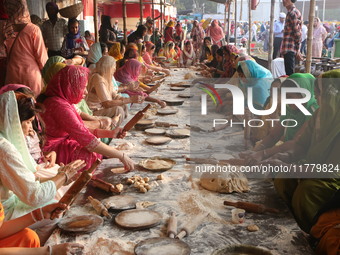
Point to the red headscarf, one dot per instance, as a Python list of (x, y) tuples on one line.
[(129, 72), (69, 84), (215, 32)]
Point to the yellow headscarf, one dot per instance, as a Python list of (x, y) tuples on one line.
[(171, 23), (52, 70), (115, 51)]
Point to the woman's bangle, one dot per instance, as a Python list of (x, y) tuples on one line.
[(42, 214), (34, 219), (100, 124), (66, 176), (49, 248)]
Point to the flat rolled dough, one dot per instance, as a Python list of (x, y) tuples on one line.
[(225, 182)]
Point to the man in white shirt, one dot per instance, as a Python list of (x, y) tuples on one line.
[(278, 34), (304, 30)]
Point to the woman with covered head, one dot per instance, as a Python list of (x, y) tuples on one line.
[(97, 50), (26, 51), (73, 43), (315, 202), (188, 56), (169, 32), (266, 148), (117, 51), (102, 98), (229, 51), (128, 75), (67, 134), (319, 36), (197, 35), (169, 52), (215, 32), (21, 192)]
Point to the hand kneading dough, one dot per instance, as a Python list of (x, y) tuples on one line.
[(225, 182)]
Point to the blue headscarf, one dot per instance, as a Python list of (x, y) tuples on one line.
[(71, 37), (259, 78)]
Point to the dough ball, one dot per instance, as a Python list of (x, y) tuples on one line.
[(160, 177), (146, 179), (119, 187), (253, 228), (143, 190)]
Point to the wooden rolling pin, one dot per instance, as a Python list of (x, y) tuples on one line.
[(139, 115), (165, 124), (172, 226), (191, 226), (80, 183), (99, 207), (100, 184), (251, 207)]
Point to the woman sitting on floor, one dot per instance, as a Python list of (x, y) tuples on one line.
[(314, 201), (73, 43), (67, 134), (188, 56), (169, 53), (20, 191), (102, 99), (128, 75), (16, 238), (266, 148), (117, 51), (97, 50)]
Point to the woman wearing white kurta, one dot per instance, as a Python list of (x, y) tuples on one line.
[(19, 190)]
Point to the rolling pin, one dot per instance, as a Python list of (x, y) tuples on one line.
[(136, 118), (251, 207), (79, 184), (165, 124), (191, 226), (172, 226), (100, 184), (99, 207)]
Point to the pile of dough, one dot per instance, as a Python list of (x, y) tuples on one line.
[(124, 146), (189, 76), (225, 182), (157, 164)]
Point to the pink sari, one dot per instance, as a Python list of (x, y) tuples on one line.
[(129, 73), (216, 33), (65, 131)]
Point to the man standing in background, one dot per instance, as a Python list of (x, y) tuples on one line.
[(278, 34), (291, 36), (53, 30), (304, 31)]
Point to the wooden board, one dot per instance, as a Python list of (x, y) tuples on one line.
[(158, 140), (120, 203), (178, 133), (137, 219), (81, 224), (167, 111), (185, 95), (242, 250), (173, 102), (157, 164), (177, 88), (155, 131), (162, 246)]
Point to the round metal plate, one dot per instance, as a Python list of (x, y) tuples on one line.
[(137, 219), (120, 203), (154, 131), (167, 111), (81, 224), (162, 246), (242, 249)]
